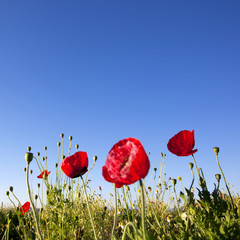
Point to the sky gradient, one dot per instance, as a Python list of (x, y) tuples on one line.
[(102, 71)]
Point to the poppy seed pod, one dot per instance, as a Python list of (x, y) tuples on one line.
[(38, 154), (161, 154), (31, 171), (216, 150), (63, 156), (61, 135), (11, 188), (58, 144), (94, 158), (45, 148), (7, 193), (38, 185), (190, 165), (218, 177), (36, 197), (149, 189), (77, 146), (25, 169), (155, 169), (56, 165), (179, 178), (70, 138), (29, 149), (28, 157), (174, 182)]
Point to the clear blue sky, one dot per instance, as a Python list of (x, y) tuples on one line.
[(105, 70)]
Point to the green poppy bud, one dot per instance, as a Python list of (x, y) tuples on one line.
[(43, 158), (190, 165), (56, 165), (25, 169), (70, 138), (11, 188), (61, 135), (174, 181), (149, 189), (94, 158), (69, 188), (161, 154), (36, 197), (38, 154), (28, 157), (31, 171), (7, 193), (216, 150), (38, 185), (29, 149), (155, 169), (58, 144), (218, 176), (63, 156), (77, 146), (45, 148)]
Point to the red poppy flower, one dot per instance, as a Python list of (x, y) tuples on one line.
[(182, 143), (75, 165), (25, 207), (126, 163), (45, 173)]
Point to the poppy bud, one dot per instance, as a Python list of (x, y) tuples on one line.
[(58, 144), (77, 146), (56, 165), (38, 185), (31, 171), (25, 169), (69, 188), (61, 135), (11, 188), (43, 158), (63, 156), (94, 158), (149, 189), (36, 197), (218, 176), (45, 148), (155, 169), (28, 157), (7, 193), (128, 188), (179, 178), (190, 165), (38, 154), (216, 150), (70, 138), (161, 154), (47, 192), (174, 181), (29, 149), (99, 187)]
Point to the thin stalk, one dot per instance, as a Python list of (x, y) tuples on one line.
[(115, 213), (224, 180), (143, 210), (31, 201), (176, 199), (125, 200), (89, 211)]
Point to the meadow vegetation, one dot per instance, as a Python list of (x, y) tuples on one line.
[(135, 209)]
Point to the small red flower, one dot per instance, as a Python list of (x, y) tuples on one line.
[(25, 207), (182, 143), (45, 173), (75, 165), (126, 163)]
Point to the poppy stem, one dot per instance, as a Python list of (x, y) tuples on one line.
[(224, 179), (192, 180), (196, 166), (115, 213), (143, 209), (31, 201), (89, 211)]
